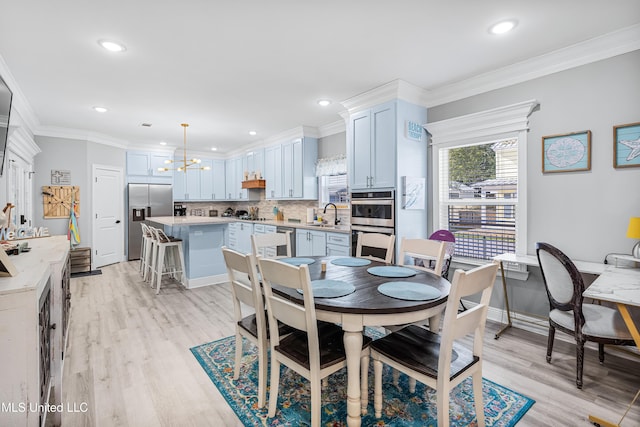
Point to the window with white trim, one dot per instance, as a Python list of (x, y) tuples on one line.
[(333, 189), (478, 197), (479, 170)]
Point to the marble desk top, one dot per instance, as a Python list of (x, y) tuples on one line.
[(618, 285)]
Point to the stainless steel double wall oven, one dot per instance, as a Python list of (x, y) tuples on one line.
[(372, 212)]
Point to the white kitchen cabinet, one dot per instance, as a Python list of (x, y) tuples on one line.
[(219, 180), (272, 172), (206, 180), (199, 184), (239, 236), (372, 148), (291, 168), (186, 185), (244, 231), (255, 162), (267, 252), (230, 178), (141, 165), (193, 184), (179, 186), (234, 175), (310, 243), (338, 244)]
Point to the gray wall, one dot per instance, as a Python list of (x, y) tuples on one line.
[(78, 157), (585, 214), (332, 145)]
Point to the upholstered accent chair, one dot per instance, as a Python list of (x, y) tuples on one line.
[(569, 314)]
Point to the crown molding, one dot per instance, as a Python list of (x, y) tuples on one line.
[(332, 128), (596, 49), (501, 120), (19, 104), (21, 143), (82, 135), (396, 89)]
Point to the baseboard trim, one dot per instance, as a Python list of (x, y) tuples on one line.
[(206, 281), (540, 325)]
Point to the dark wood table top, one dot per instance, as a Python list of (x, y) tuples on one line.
[(366, 299)]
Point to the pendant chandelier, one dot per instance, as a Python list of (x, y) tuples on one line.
[(194, 163)]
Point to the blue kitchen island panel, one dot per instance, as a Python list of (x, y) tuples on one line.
[(202, 246)]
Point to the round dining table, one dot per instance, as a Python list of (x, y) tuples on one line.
[(367, 306)]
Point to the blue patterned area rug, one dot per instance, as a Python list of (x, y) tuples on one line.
[(503, 407)]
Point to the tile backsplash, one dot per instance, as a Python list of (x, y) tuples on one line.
[(292, 209)]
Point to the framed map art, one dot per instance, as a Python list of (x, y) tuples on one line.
[(626, 146), (566, 153)]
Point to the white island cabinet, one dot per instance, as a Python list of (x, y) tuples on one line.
[(33, 319)]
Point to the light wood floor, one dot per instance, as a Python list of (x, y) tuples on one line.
[(128, 359)]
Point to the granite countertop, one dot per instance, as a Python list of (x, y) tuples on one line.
[(206, 220)]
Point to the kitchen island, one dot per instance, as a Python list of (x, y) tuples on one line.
[(203, 238)]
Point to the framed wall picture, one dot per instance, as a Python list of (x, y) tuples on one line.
[(413, 192), (570, 152), (626, 146)]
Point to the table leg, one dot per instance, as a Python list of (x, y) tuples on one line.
[(353, 349), (628, 320), (506, 303)]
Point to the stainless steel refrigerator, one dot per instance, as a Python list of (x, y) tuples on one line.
[(144, 201)]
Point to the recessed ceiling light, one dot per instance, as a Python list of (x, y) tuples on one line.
[(100, 109), (112, 46), (324, 102), (163, 143), (214, 149), (503, 26), (253, 133)]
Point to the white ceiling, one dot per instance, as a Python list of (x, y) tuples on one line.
[(227, 67)]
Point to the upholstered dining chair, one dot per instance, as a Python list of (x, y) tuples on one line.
[(449, 248), (425, 250), (315, 349), (246, 291), (266, 245), (569, 314), (438, 360), (385, 242)]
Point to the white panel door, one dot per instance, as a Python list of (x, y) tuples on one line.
[(108, 212)]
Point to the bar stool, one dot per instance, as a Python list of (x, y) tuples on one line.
[(167, 257), (146, 249)]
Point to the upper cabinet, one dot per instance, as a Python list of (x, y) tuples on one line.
[(255, 164), (219, 180), (143, 167), (272, 175), (290, 170), (372, 149), (199, 184)]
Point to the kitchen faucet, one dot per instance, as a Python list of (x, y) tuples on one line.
[(336, 220)]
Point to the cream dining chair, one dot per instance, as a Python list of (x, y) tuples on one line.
[(423, 249), (437, 360), (314, 349), (266, 245), (246, 291), (378, 241)]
